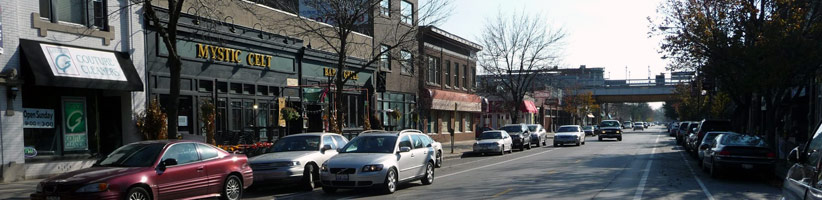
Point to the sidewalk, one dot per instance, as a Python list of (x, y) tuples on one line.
[(462, 147), (18, 190)]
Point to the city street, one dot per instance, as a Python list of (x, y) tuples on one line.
[(645, 165)]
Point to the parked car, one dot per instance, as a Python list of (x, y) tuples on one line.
[(382, 160), (436, 145), (680, 132), (690, 130), (589, 130), (569, 134), (627, 124), (706, 126), (160, 169), (494, 142), (296, 159), (738, 151), (480, 130), (538, 134), (610, 129), (672, 128), (707, 141), (639, 126), (803, 161), (519, 134)]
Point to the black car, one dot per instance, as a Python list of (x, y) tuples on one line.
[(734, 151), (610, 129), (520, 135), (707, 125), (804, 161)]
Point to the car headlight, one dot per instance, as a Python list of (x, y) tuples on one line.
[(39, 188), (603, 132), (324, 167), (94, 187), (372, 168), (285, 164), (619, 132)]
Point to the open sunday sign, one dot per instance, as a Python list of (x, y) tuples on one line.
[(38, 118)]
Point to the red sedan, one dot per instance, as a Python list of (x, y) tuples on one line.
[(155, 170)]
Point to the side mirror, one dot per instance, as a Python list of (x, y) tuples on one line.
[(326, 148), (796, 156), (405, 149), (165, 163)]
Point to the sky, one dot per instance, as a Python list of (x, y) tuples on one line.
[(612, 34)]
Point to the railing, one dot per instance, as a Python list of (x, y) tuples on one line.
[(641, 83)]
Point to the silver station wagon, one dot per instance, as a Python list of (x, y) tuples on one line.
[(381, 159)]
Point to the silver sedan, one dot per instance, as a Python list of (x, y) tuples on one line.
[(494, 142)]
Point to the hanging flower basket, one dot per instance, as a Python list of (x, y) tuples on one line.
[(290, 114)]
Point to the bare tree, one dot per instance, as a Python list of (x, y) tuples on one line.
[(517, 48), (338, 26)]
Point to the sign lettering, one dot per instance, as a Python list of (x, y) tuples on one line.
[(38, 118), (216, 53), (83, 63), (331, 72), (75, 135)]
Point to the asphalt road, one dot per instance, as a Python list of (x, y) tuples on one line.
[(645, 165)]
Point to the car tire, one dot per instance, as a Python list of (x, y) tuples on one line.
[(555, 144), (583, 141), (390, 183), (522, 147), (329, 189), (502, 150), (539, 143), (439, 158), (528, 146), (619, 139), (428, 177), (308, 182), (578, 143), (600, 138), (232, 188), (138, 193)]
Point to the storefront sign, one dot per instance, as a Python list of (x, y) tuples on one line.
[(280, 106), (38, 118), (330, 72), (75, 134), (182, 120), (83, 63), (29, 152), (229, 55)]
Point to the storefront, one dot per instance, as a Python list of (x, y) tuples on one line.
[(446, 110), (247, 75), (76, 103)]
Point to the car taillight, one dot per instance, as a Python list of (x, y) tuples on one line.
[(724, 153), (771, 155)]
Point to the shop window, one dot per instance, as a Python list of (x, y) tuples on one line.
[(262, 119), (407, 12), (90, 13), (184, 111), (273, 91), (206, 86), (249, 89), (221, 118), (468, 121), (185, 84), (447, 73), (445, 124), (457, 122), (163, 82), (222, 87), (433, 126), (236, 115), (262, 90), (236, 88), (407, 62)]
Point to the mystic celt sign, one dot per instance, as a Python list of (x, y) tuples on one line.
[(75, 133), (83, 63), (38, 118), (229, 55)]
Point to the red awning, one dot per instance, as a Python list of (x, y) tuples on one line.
[(528, 106), (445, 100)]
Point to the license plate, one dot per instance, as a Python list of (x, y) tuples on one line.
[(342, 177), (747, 166), (52, 198)]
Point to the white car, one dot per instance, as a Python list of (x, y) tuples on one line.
[(538, 134), (436, 145), (381, 159), (296, 158), (494, 142), (569, 134)]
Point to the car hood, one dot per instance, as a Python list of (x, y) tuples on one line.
[(281, 156), (345, 159), (489, 141), (566, 134), (93, 174)]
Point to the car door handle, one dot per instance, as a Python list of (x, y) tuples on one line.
[(200, 169)]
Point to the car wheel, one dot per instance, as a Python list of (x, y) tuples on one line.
[(583, 141), (232, 189), (308, 177), (329, 189), (390, 183), (555, 144), (439, 159), (522, 147), (600, 138), (544, 142), (428, 178), (529, 146), (539, 143), (619, 139), (578, 143), (138, 193)]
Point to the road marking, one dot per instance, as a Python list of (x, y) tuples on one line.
[(641, 187), (499, 163), (471, 162), (503, 192), (698, 181)]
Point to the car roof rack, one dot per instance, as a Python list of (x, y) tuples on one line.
[(374, 131), (409, 131)]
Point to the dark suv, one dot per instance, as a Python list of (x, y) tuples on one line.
[(520, 135), (610, 129), (706, 126)]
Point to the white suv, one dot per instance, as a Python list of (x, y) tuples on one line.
[(381, 159)]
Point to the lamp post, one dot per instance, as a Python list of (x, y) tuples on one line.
[(256, 108)]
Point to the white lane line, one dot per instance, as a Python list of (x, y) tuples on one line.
[(499, 163), (698, 181), (471, 162), (641, 187)]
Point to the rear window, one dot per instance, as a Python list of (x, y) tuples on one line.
[(568, 129), (743, 140)]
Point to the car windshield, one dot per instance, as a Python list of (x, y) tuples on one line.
[(297, 143), (370, 144), (733, 139), (490, 135), (532, 128), (608, 124), (132, 155), (567, 129), (512, 129)]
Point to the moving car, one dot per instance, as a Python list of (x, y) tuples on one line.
[(610, 129), (639, 126), (803, 161), (519, 134), (589, 130), (494, 142), (738, 151), (538, 134), (381, 160), (159, 169), (627, 124), (296, 158), (569, 134)]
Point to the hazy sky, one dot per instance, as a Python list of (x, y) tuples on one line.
[(600, 33)]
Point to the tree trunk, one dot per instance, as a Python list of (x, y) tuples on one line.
[(338, 82), (174, 66)]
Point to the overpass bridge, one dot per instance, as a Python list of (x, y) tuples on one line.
[(634, 90)]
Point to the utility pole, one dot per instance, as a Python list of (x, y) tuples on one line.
[(452, 129)]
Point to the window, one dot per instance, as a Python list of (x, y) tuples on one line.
[(340, 140), (468, 118), (385, 7), (385, 58), (433, 69), (182, 152), (405, 142), (433, 126), (407, 12), (206, 152), (457, 122), (445, 124), (465, 76), (456, 75), (327, 140), (418, 143), (407, 62), (447, 73), (91, 13)]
